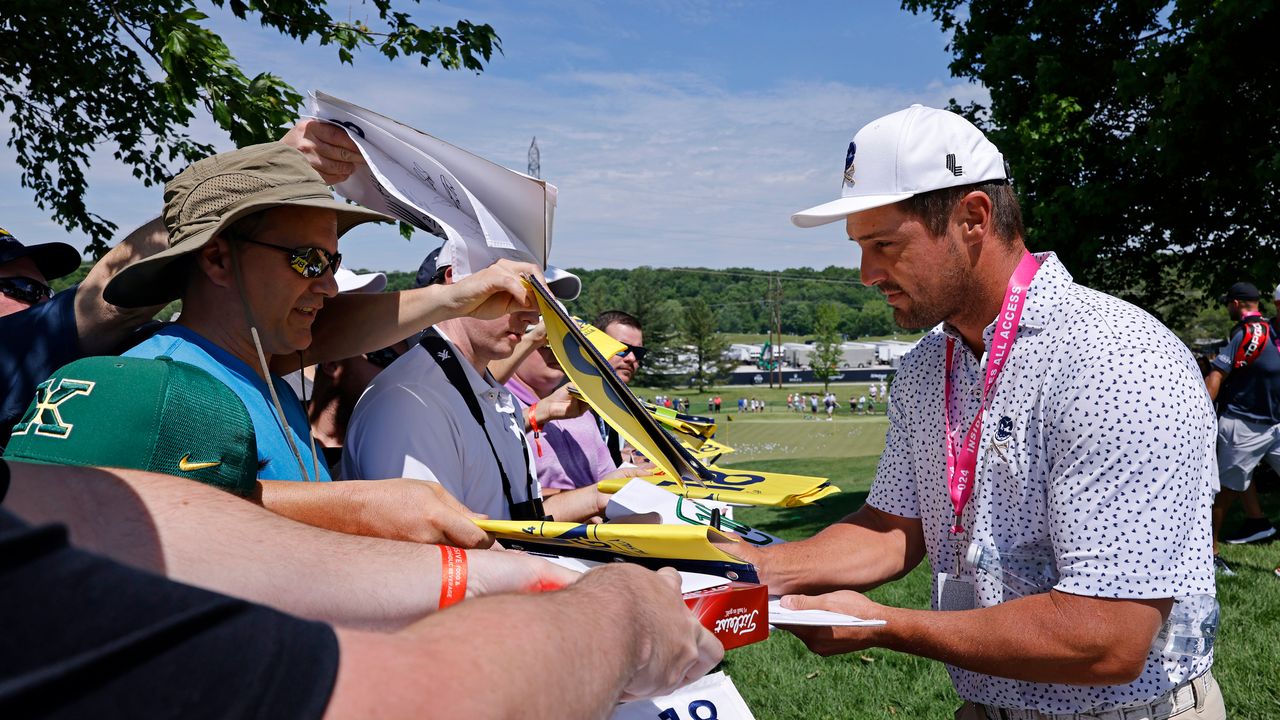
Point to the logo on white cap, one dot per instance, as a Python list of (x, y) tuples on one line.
[(906, 153), (848, 164)]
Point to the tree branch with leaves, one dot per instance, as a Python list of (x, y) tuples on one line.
[(133, 74)]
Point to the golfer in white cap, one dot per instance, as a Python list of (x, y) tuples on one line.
[(1050, 450)]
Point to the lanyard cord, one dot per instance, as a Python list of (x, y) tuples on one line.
[(962, 464), (446, 356), (262, 361)]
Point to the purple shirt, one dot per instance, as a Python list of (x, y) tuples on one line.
[(573, 453)]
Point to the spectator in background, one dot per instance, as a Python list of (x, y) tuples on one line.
[(27, 270), (43, 331), (626, 329), (568, 452), (1244, 380), (718, 403), (335, 391)]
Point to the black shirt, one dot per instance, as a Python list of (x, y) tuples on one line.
[(82, 636)]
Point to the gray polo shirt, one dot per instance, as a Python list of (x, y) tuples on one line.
[(412, 423)]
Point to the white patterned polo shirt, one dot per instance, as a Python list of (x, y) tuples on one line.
[(1097, 456)]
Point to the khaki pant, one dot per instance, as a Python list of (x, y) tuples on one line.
[(1200, 699)]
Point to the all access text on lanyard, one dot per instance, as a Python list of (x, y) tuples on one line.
[(962, 466)]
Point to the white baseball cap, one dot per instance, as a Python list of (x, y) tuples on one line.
[(906, 153), (349, 281), (467, 258)]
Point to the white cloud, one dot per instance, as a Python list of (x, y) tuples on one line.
[(653, 169)]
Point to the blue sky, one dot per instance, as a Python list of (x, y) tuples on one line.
[(678, 133)]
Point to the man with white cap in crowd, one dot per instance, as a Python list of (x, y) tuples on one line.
[(1050, 450), (438, 414)]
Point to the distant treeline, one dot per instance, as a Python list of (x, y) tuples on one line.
[(740, 296)]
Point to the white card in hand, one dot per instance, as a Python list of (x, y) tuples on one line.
[(782, 617)]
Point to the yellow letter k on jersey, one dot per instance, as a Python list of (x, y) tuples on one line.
[(44, 418)]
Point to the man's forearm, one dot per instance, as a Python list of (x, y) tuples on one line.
[(100, 325), (1050, 637), (203, 536), (864, 550), (577, 505), (489, 659), (329, 505), (1213, 383), (355, 323)]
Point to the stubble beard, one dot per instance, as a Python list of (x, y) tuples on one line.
[(938, 301)]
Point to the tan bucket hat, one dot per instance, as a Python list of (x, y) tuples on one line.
[(215, 192)]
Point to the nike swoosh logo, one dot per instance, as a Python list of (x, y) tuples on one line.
[(185, 464)]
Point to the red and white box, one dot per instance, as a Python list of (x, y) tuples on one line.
[(737, 613)]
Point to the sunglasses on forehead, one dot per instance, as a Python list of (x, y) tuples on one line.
[(637, 351), (309, 262), (25, 290)]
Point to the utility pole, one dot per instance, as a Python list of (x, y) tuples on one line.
[(775, 327), (535, 159)]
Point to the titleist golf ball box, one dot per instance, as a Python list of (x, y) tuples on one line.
[(737, 613)]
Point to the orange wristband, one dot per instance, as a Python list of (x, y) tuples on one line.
[(453, 575), (533, 425)]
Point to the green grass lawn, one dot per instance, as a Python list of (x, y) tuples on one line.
[(760, 338), (780, 678)]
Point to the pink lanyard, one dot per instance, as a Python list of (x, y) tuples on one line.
[(962, 466)]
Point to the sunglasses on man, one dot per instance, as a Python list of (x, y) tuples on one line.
[(309, 262), (25, 289), (636, 350)]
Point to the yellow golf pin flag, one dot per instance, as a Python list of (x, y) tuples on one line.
[(609, 396), (696, 548), (602, 341), (680, 472), (708, 449), (692, 424), (743, 487)]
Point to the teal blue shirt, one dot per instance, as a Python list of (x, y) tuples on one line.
[(276, 460)]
